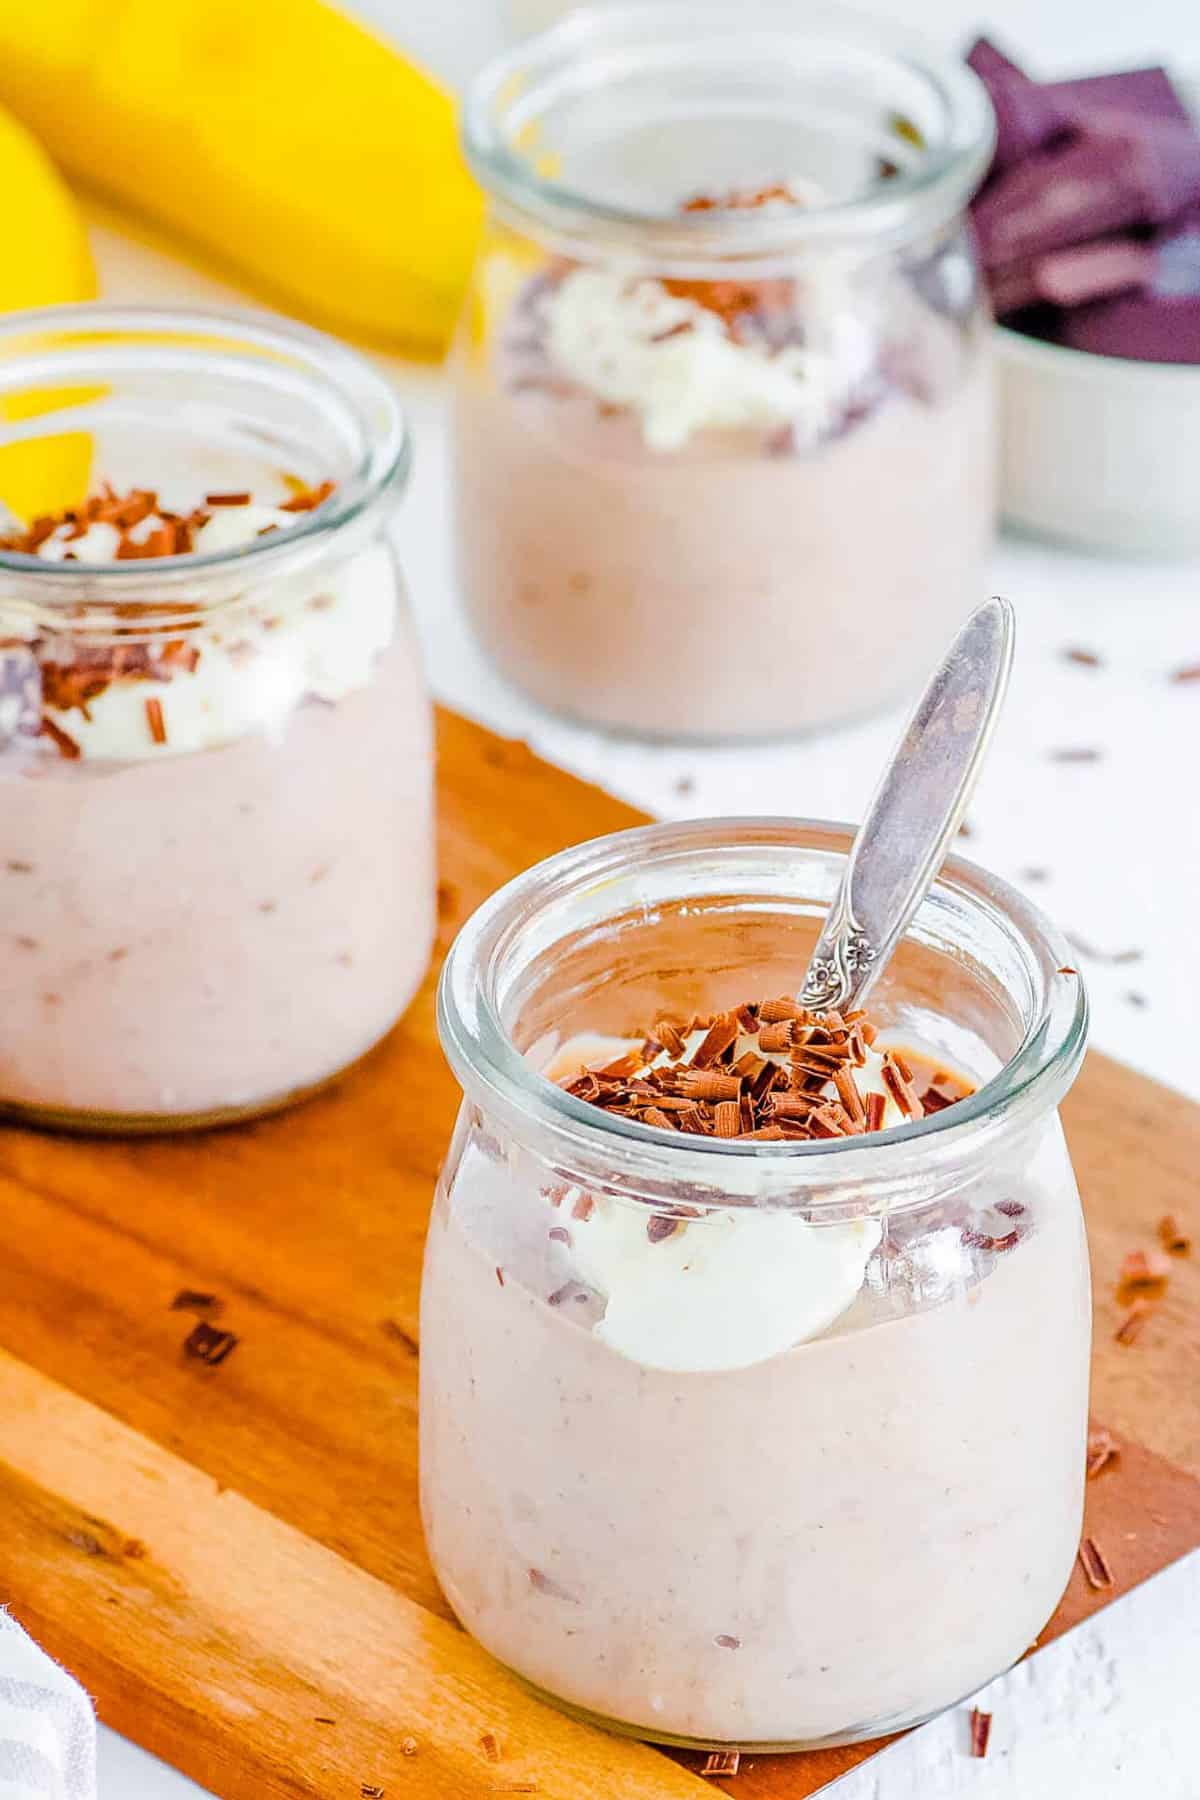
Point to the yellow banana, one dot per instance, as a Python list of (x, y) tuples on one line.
[(44, 260), (278, 133)]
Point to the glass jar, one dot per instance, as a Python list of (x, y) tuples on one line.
[(824, 1475), (723, 414), (216, 765)]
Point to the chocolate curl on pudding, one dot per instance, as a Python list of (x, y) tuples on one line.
[(765, 1070)]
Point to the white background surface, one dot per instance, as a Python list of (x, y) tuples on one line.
[(1109, 1711)]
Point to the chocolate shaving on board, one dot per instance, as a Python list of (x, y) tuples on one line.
[(1094, 1564), (1102, 1452), (1142, 1272), (1172, 1236), (721, 1762), (1188, 673), (209, 1344), (193, 1300), (1133, 1323)]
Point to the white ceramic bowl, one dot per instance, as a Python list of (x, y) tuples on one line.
[(1099, 451)]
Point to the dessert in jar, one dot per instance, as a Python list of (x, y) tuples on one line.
[(754, 1343), (215, 748), (723, 447)]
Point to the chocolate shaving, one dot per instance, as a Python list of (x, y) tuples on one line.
[(793, 1106), (1142, 1272), (792, 1080), (1172, 1236), (660, 1226), (490, 1746), (670, 1037), (1190, 672), (728, 1119), (308, 498), (155, 720), (848, 1094), (1101, 1451), (1087, 659), (898, 1080), (192, 1300), (773, 1012), (1133, 1323), (242, 499), (708, 1084), (209, 1344), (721, 1762), (981, 1731), (1094, 1564), (64, 743), (721, 1036)]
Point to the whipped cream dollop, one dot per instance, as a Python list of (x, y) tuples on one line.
[(672, 362), (722, 1290), (315, 635)]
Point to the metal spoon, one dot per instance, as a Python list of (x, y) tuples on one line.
[(917, 808)]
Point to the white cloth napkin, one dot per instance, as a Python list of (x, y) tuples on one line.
[(47, 1727)]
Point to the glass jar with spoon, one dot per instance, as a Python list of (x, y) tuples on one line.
[(755, 1331)]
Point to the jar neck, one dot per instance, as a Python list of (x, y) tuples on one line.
[(74, 380), (574, 932), (580, 134)]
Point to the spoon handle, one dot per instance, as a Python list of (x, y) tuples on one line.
[(917, 808)]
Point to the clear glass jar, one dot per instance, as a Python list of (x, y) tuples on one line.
[(216, 766), (722, 472), (706, 1537)]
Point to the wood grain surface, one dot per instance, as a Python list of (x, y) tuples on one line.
[(231, 1557)]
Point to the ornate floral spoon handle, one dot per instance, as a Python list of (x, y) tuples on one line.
[(917, 808)]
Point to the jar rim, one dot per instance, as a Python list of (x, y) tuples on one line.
[(498, 117), (42, 344), (487, 1062)]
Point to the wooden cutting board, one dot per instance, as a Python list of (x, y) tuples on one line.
[(230, 1557)]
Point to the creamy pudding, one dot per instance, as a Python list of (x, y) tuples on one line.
[(733, 511), (217, 859), (754, 1343)]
